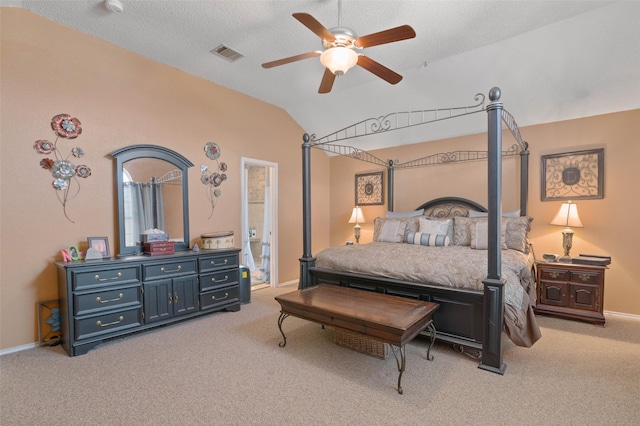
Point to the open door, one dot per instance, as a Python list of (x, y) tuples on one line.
[(259, 221)]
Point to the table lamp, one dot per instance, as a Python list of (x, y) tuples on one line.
[(357, 217), (567, 216)]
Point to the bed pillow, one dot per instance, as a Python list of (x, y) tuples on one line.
[(516, 236), (413, 213), (514, 213), (479, 233), (389, 230), (429, 225), (419, 238), (462, 229)]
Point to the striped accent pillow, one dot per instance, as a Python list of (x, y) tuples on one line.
[(424, 239)]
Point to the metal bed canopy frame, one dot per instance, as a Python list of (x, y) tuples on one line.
[(493, 295)]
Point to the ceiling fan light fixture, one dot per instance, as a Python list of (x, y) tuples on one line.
[(339, 60)]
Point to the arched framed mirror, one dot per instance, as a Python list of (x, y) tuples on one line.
[(153, 193)]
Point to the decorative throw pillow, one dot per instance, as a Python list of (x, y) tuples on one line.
[(389, 230), (427, 239), (411, 225), (479, 232), (516, 236), (414, 213), (436, 226), (462, 229)]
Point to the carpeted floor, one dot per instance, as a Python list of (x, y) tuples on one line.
[(227, 369)]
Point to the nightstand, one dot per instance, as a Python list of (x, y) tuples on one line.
[(570, 291)]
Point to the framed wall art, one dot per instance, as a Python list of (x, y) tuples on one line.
[(370, 189), (573, 175)]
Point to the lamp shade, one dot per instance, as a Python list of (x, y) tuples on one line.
[(339, 59), (357, 216), (567, 216)]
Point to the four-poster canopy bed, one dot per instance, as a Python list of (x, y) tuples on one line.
[(473, 308)]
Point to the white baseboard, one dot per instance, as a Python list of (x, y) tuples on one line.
[(286, 283), (19, 348), (622, 314)]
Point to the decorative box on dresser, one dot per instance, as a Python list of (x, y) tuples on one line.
[(105, 299), (573, 291)]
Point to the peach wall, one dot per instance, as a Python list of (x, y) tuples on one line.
[(609, 223), (121, 99)]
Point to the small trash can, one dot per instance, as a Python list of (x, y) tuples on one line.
[(245, 284)]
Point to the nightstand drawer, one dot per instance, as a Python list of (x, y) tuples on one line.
[(554, 274), (586, 277)]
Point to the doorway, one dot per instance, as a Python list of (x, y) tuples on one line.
[(259, 221)]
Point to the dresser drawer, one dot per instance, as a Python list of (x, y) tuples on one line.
[(165, 269), (554, 274), (86, 328), (212, 263), (94, 278), (118, 298), (586, 277), (219, 297), (218, 279)]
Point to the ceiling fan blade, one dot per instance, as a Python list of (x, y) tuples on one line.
[(327, 81), (315, 26), (402, 32), (379, 69), (290, 59)]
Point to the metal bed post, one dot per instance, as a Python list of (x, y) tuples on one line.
[(524, 181), (307, 260), (493, 284), (390, 186)]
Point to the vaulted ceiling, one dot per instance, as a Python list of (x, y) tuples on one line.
[(553, 60)]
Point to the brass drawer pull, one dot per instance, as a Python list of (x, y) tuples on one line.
[(170, 298), (99, 323), (226, 295), (118, 276), (554, 274), (213, 263), (584, 277), (166, 271), (99, 300), (226, 278), (175, 297)]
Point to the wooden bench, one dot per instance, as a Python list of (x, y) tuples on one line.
[(389, 319)]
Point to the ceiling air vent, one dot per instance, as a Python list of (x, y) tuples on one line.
[(227, 53)]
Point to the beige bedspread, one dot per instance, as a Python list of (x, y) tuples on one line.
[(452, 266)]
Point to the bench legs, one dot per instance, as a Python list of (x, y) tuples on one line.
[(399, 352), (284, 338)]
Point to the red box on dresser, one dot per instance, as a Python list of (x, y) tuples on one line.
[(157, 248)]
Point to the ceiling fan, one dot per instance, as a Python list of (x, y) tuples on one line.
[(339, 46)]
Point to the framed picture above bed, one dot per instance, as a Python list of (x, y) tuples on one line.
[(370, 189), (573, 175)]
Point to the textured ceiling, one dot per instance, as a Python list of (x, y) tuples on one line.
[(553, 60)]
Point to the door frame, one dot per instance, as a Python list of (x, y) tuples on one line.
[(273, 169)]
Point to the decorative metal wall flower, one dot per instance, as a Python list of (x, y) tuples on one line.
[(64, 172), (213, 179)]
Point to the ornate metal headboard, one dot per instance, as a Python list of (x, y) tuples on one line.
[(450, 207)]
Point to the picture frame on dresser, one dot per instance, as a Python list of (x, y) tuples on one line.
[(101, 244), (74, 253)]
